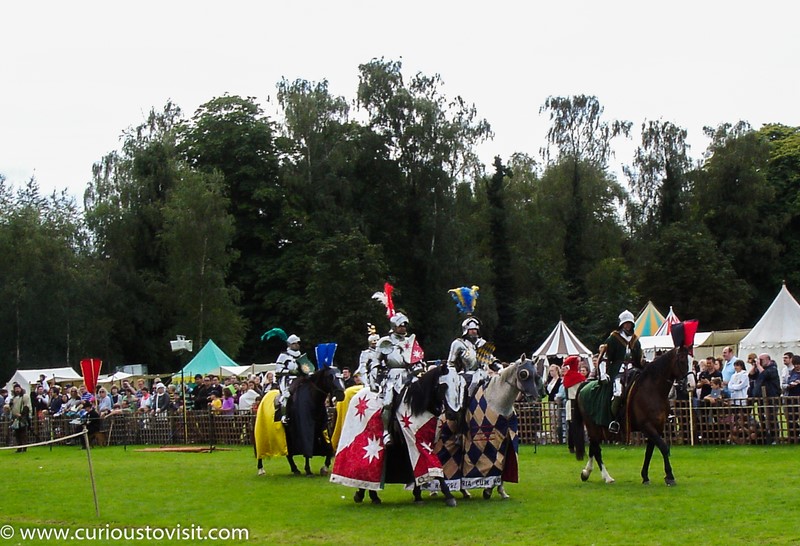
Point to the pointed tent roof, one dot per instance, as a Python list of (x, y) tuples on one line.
[(778, 330), (562, 342), (208, 360), (648, 321), (666, 326)]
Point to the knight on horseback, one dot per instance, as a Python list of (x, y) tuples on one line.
[(287, 369), (470, 354), (623, 350), (400, 364), (369, 362)]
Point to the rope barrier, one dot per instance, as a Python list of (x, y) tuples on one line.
[(46, 442)]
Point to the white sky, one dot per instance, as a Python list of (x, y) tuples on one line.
[(73, 75)]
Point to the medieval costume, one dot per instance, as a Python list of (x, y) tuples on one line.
[(622, 350), (470, 354)]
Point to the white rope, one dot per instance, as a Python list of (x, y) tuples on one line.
[(47, 442)]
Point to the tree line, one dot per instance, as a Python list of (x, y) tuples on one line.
[(227, 223)]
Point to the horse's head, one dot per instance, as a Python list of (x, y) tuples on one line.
[(680, 363), (331, 382), (526, 378), (451, 389)]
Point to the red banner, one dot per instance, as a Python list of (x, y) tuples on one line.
[(90, 368)]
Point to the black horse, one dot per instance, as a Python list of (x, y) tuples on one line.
[(438, 390), (646, 410), (306, 425)]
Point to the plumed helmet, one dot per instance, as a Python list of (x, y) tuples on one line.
[(292, 339), (398, 319), (468, 323), (626, 316), (373, 337)]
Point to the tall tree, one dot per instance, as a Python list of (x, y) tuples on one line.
[(582, 142), (231, 134)]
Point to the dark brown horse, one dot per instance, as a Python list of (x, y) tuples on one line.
[(646, 410)]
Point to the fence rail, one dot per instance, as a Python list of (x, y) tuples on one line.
[(773, 420)]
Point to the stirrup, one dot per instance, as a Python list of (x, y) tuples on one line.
[(613, 427)]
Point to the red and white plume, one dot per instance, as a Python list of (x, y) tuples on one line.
[(385, 298)]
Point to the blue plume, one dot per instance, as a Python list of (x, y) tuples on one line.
[(466, 298), (325, 352)]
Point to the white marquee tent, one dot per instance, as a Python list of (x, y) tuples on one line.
[(777, 331), (27, 377)]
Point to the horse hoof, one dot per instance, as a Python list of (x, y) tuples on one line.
[(419, 501), (465, 494), (261, 472), (309, 474), (375, 500), (610, 480), (324, 471), (645, 482), (358, 497), (584, 476), (504, 496), (487, 494), (295, 472), (670, 482), (451, 502)]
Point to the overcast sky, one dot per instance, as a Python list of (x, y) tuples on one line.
[(74, 75)]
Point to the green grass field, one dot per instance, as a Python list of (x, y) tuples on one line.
[(725, 495)]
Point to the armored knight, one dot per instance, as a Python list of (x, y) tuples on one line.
[(470, 354), (287, 367), (397, 356), (369, 362)]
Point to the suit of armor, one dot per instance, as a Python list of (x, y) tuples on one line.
[(286, 369), (464, 358), (370, 369)]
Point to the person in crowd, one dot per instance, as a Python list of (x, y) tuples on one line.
[(555, 401), (144, 401), (74, 404), (347, 377), (5, 399), (200, 392), (41, 401), (214, 403), (752, 372), (715, 396), (92, 419), (269, 383), (175, 398), (571, 382), (728, 360), (738, 384), (553, 382), (140, 386), (114, 394), (104, 403), (21, 411), (248, 399), (793, 390), (228, 406), (785, 370), (159, 403), (767, 386), (85, 394), (57, 400), (705, 377), (622, 350)]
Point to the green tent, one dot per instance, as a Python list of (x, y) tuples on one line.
[(208, 360)]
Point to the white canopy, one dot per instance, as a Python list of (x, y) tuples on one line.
[(27, 377), (116, 376), (561, 343), (777, 331)]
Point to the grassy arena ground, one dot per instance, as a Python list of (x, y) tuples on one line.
[(725, 495)]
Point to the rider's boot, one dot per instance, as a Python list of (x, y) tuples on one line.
[(613, 426), (385, 418)]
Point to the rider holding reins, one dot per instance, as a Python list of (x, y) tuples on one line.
[(622, 349)]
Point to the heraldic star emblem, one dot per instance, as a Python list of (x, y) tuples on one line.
[(406, 418), (372, 449), (361, 407)]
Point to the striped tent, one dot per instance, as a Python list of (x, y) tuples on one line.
[(648, 321), (666, 326), (561, 343)]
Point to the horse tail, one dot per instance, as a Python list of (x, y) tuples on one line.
[(578, 438)]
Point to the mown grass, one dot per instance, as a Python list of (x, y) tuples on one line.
[(725, 495)]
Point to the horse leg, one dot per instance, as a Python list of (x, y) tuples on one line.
[(465, 493), (261, 467), (669, 479), (307, 467), (373, 496), (292, 466), (417, 492), (449, 499), (587, 470), (599, 456), (501, 490), (487, 492), (648, 453), (326, 468)]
